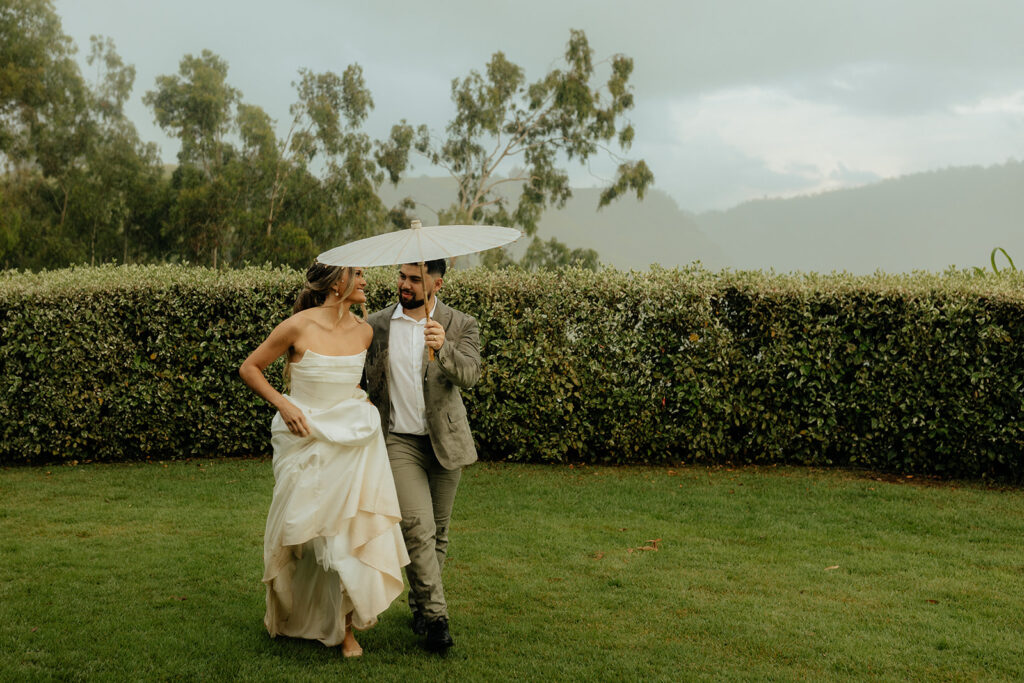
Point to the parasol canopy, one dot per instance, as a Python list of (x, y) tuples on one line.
[(418, 244)]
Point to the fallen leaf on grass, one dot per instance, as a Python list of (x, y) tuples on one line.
[(34, 629), (835, 566), (179, 598), (598, 556), (932, 602), (652, 544)]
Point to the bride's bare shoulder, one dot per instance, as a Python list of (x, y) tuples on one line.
[(297, 323), (297, 319)]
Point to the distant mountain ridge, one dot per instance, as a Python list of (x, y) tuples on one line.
[(925, 221)]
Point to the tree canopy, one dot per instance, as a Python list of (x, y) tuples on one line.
[(511, 133), (78, 182), (78, 185)]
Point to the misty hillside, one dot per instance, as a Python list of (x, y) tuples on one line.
[(926, 221), (627, 234)]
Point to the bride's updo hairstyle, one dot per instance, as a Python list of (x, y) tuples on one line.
[(320, 279)]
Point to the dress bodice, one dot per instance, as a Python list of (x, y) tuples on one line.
[(320, 382)]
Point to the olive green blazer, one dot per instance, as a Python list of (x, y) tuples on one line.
[(456, 365)]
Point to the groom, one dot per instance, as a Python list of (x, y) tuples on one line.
[(425, 426)]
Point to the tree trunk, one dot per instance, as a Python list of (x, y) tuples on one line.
[(64, 207), (273, 199)]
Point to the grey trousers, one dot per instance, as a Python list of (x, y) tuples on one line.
[(426, 494)]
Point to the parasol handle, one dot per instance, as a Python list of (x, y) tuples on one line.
[(426, 304)]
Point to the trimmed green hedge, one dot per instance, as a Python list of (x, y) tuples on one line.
[(915, 373)]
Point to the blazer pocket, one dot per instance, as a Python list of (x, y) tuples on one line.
[(456, 418)]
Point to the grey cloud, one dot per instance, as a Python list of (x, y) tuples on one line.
[(709, 175), (849, 177), (881, 89), (677, 44), (695, 46)]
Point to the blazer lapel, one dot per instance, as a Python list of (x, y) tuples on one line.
[(384, 346)]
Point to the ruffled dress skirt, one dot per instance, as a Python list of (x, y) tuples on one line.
[(333, 546)]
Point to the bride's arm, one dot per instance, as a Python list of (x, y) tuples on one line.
[(274, 346)]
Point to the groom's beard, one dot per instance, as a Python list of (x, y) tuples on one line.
[(410, 303)]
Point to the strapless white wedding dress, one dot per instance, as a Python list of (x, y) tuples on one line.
[(333, 545)]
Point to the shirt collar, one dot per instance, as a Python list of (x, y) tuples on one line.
[(400, 313)]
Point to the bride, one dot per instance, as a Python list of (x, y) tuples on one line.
[(333, 549)]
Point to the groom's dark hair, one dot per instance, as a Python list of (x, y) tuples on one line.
[(437, 267)]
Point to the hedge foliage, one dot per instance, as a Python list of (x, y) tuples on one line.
[(917, 373)]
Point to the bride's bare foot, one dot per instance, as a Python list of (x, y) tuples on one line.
[(349, 646)]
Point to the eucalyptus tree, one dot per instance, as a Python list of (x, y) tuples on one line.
[(326, 134), (42, 104), (228, 183), (76, 175), (122, 176), (242, 189), (511, 134), (196, 105), (38, 75)]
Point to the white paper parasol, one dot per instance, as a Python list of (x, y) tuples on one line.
[(418, 244)]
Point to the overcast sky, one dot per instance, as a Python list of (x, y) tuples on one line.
[(736, 99)]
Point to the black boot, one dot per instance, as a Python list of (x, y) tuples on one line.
[(438, 637), (419, 623)]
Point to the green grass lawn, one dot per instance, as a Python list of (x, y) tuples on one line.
[(153, 572)]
